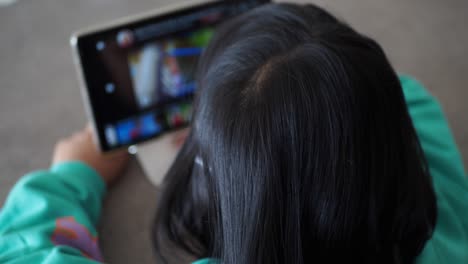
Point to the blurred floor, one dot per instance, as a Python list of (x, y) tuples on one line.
[(40, 98)]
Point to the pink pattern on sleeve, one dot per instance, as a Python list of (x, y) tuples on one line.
[(68, 232)]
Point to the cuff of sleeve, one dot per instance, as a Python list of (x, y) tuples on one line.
[(79, 174)]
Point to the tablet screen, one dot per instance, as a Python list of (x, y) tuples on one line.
[(140, 76)]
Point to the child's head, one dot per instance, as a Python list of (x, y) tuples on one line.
[(301, 148)]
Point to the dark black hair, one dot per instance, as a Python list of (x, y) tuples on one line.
[(301, 148)]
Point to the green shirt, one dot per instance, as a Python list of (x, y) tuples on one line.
[(50, 216)]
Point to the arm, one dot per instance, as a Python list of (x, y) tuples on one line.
[(433, 131), (51, 216), (450, 237), (53, 213)]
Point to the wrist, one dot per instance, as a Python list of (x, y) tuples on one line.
[(77, 171)]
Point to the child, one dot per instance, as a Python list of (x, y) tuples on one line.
[(305, 145)]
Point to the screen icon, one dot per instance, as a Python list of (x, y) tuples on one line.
[(100, 45), (111, 135), (125, 38), (110, 88)]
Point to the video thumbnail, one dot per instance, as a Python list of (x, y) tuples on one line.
[(130, 130), (165, 69), (178, 114)]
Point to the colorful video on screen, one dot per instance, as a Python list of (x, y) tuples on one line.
[(149, 124), (165, 69), (133, 129)]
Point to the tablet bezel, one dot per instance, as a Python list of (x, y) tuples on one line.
[(159, 15)]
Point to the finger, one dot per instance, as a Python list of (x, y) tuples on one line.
[(120, 154), (59, 143), (75, 135), (89, 127), (88, 131)]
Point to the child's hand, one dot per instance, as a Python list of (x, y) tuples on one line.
[(80, 147)]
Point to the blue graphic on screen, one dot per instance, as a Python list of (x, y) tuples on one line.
[(138, 128)]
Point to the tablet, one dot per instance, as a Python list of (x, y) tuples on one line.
[(138, 74)]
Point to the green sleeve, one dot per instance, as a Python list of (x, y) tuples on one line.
[(206, 261), (50, 217), (449, 243)]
